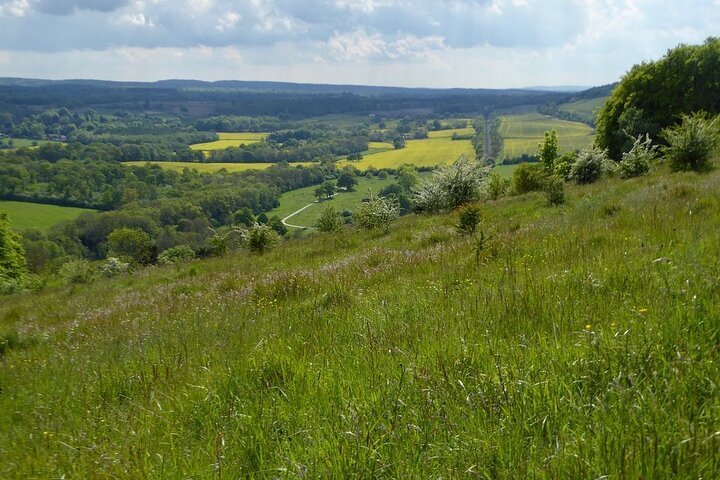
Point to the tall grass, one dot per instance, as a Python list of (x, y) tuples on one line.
[(575, 342)]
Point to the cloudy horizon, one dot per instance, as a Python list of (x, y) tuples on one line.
[(409, 43)]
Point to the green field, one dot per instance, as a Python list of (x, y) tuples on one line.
[(296, 199), (439, 149), (587, 107), (523, 132), (226, 140), (213, 167), (24, 142), (25, 215)]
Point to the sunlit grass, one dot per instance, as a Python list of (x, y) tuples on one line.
[(523, 132), (25, 215), (226, 140), (572, 342)]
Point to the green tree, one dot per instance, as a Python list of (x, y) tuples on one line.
[(13, 266), (548, 151), (347, 181), (651, 96), (328, 188), (131, 244)]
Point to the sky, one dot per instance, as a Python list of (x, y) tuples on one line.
[(412, 43)]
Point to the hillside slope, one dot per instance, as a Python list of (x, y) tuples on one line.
[(572, 342)]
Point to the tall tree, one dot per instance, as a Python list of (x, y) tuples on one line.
[(654, 95)]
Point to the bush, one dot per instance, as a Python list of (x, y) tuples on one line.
[(563, 165), (452, 186), (468, 220), (640, 159), (328, 220), (113, 267), (590, 166), (175, 255), (261, 238), (528, 177), (78, 272), (555, 190), (496, 186), (376, 213), (692, 143)]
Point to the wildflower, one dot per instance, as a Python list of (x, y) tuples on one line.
[(588, 326), (642, 310)]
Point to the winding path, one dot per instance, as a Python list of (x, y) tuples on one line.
[(284, 220)]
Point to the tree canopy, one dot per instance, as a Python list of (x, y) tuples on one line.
[(654, 95)]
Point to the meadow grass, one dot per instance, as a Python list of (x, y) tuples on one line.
[(571, 342), (226, 140), (25, 142), (523, 132), (26, 215), (213, 167), (439, 149)]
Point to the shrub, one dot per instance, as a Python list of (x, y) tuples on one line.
[(452, 186), (376, 213), (328, 220), (496, 186), (528, 177), (468, 220), (563, 165), (590, 165), (78, 272), (639, 159), (692, 143), (555, 190), (13, 265), (113, 267), (175, 255), (261, 238), (276, 224)]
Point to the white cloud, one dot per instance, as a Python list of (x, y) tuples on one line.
[(15, 8), (228, 21)]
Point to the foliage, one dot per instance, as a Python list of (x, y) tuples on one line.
[(347, 181), (276, 224), (563, 165), (652, 95), (328, 220), (589, 166), (693, 142), (176, 255), (376, 213), (131, 244), (496, 186), (451, 186), (528, 177), (13, 265), (261, 238), (78, 272), (548, 151), (112, 267), (468, 220), (555, 190), (640, 159)]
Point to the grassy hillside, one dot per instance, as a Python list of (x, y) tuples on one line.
[(523, 132), (439, 149), (25, 215), (213, 167), (574, 342)]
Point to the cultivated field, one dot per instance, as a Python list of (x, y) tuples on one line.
[(588, 107), (523, 132), (226, 140), (439, 149), (212, 167), (25, 215)]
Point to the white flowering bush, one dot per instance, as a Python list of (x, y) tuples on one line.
[(449, 187), (640, 159)]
